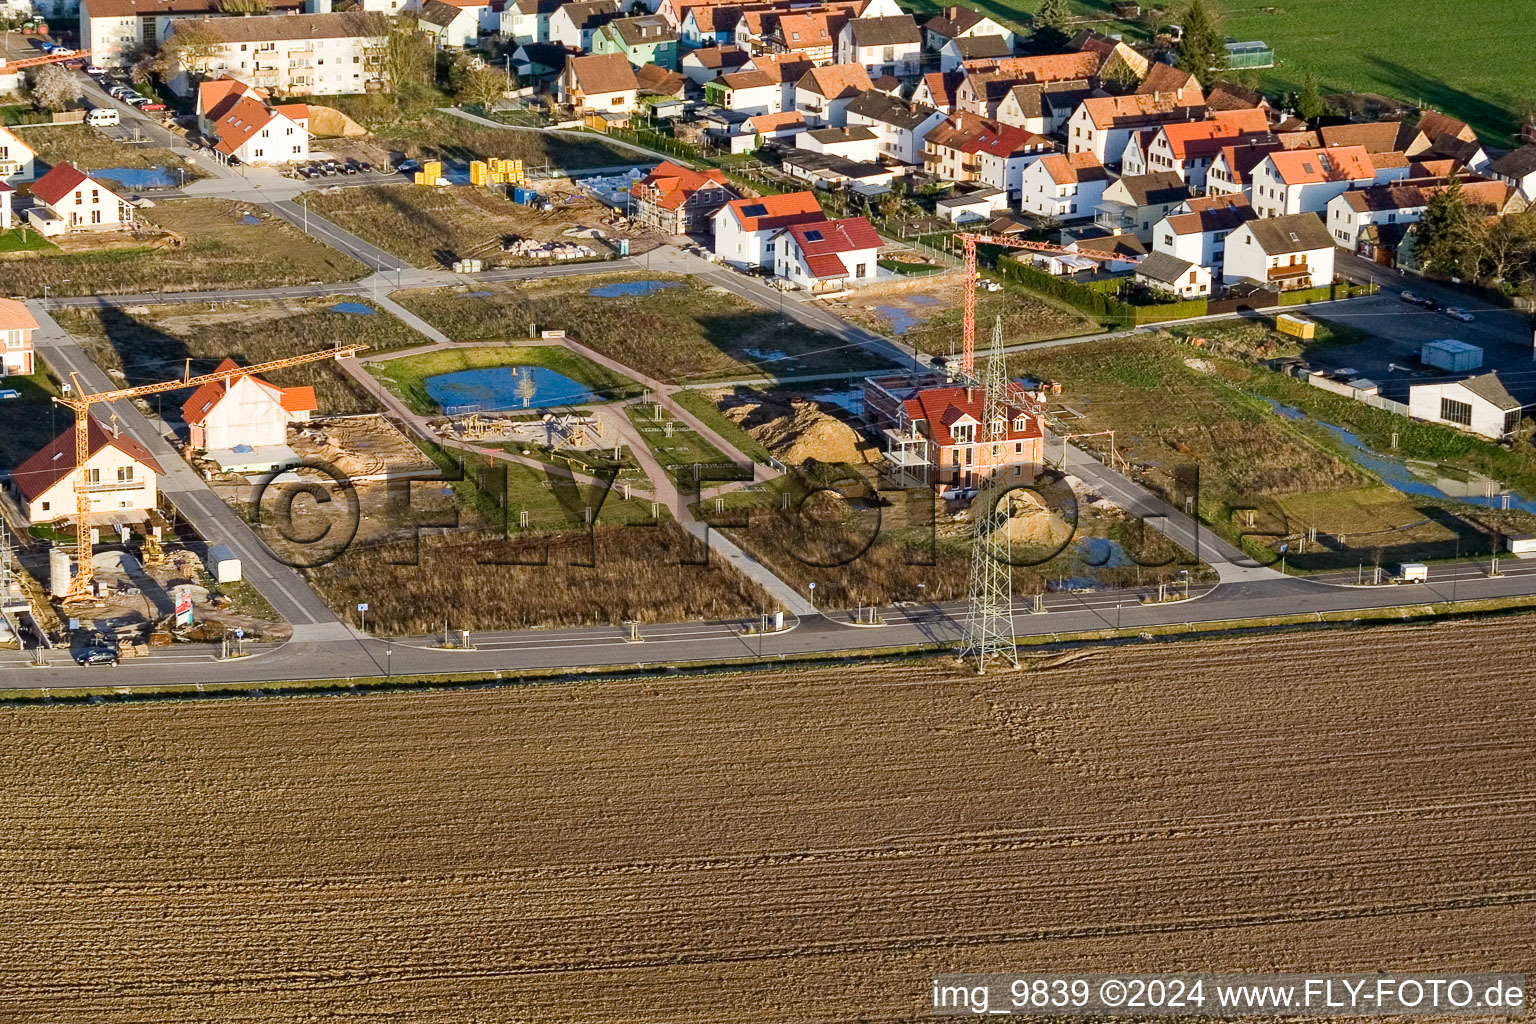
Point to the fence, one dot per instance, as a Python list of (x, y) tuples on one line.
[(1094, 298)]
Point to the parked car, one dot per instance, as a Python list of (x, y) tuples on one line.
[(149, 107), (307, 172), (1459, 314), (97, 656), (101, 117), (365, 166), (137, 101), (96, 72), (1410, 298), (328, 169), (408, 166), (1434, 305), (61, 51), (349, 167)]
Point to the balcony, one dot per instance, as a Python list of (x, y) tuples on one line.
[(1290, 272), (1115, 218), (114, 485)]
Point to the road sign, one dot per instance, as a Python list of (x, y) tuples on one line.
[(362, 607), (239, 634)]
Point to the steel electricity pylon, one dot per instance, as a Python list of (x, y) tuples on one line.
[(989, 618)]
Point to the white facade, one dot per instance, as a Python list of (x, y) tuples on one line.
[(1345, 223), (1041, 194), (1467, 406), (902, 142), (460, 30), (281, 140), (249, 413), (791, 265), (340, 58), (1273, 197), (903, 59), (17, 160), (857, 144), (1246, 260), (115, 482)]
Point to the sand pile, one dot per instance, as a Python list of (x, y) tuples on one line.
[(797, 431), (330, 123)]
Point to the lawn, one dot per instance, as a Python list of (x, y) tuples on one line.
[(433, 227), (21, 239), (90, 150), (407, 375), (31, 421), (213, 243), (698, 402), (685, 332), (679, 449), (150, 343), (1462, 58)]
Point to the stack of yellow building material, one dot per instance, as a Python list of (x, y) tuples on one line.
[(496, 171), (431, 173)]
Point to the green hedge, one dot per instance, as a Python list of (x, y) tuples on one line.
[(1302, 295), (1093, 297)]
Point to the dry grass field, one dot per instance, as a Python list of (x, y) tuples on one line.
[(774, 847)]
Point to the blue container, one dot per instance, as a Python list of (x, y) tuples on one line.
[(523, 194)]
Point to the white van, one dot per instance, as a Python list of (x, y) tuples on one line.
[(100, 117)]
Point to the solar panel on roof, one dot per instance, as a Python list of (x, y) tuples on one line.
[(813, 236), (755, 210)]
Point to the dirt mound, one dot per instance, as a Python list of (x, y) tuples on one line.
[(1030, 523), (797, 431), (330, 123)]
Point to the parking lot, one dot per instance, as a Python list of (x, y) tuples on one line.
[(1392, 358)]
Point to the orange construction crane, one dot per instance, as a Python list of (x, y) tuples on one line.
[(80, 585), (969, 322), (32, 62)]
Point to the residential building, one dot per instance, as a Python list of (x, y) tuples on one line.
[(1042, 108), (6, 192), (959, 52), (1197, 232), (783, 70), (747, 92), (16, 327), (1064, 186), (543, 62), (711, 62), (1115, 254), (1289, 251), (885, 46), (976, 206), (1224, 95), (449, 24), (1351, 214), (986, 83), (1102, 125), (780, 127), (824, 170), (245, 128), (249, 411), (1372, 136), (602, 83), (828, 256), (660, 83), (1167, 80), (642, 40), (18, 161), (812, 35), (1165, 273), (527, 21), (1516, 168), (711, 25), (939, 91), (118, 477), (934, 434), (858, 145), (970, 148), (1231, 170), (824, 93), (67, 199), (1305, 180), (1136, 203), (282, 54), (902, 128), (747, 230), (115, 30), (1188, 148), (574, 24), (680, 201), (1482, 405), (962, 23)]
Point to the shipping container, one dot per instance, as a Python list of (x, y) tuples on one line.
[(1450, 354), (1296, 326)]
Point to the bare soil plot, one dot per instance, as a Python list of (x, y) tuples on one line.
[(187, 245), (433, 227), (667, 327), (775, 848), (151, 343), (925, 312)]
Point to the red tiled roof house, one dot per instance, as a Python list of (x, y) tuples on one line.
[(68, 199), (933, 435), (119, 476), (16, 327), (747, 231), (244, 411), (828, 255), (680, 201)]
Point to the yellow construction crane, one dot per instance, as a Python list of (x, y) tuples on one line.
[(80, 585)]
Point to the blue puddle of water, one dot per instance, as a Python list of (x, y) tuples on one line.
[(476, 295), (1102, 553), (628, 288), (851, 400), (354, 307), (901, 320), (499, 388), (137, 177), (248, 219), (924, 300), (1417, 478)]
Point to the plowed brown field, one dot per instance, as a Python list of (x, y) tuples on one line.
[(786, 847)]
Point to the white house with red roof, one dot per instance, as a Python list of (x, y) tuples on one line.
[(1306, 180), (16, 327), (244, 411), (119, 476), (67, 199), (18, 161), (679, 200), (829, 255), (242, 124), (1064, 186), (747, 231)]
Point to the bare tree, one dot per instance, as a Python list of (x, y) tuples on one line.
[(54, 88), (191, 49), (483, 86)]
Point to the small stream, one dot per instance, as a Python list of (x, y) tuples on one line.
[(1417, 477)]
